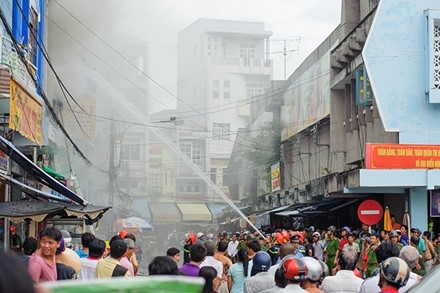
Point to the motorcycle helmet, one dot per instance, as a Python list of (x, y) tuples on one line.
[(395, 271), (314, 268), (261, 261), (293, 268)]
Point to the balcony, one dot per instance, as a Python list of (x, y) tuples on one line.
[(241, 65), (11, 62)]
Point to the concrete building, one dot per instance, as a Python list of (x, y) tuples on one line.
[(221, 66), (360, 119), (112, 85)]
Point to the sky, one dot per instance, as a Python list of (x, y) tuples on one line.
[(305, 23)]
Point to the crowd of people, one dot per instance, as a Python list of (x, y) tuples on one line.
[(310, 260), (328, 260)]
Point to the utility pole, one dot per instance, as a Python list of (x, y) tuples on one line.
[(285, 52), (111, 167)]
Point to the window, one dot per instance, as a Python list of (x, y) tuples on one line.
[(433, 54), (189, 187), (132, 150), (33, 35), (154, 182), (215, 94), (227, 83), (213, 175), (186, 149), (220, 131), (254, 89), (247, 53), (197, 154), (192, 151), (215, 83), (227, 95)]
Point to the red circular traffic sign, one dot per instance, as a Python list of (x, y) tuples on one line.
[(370, 212)]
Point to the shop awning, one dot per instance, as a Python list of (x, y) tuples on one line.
[(164, 212), (263, 219), (36, 193), (217, 208), (36, 172), (53, 173), (195, 212), (38, 210), (313, 210), (140, 205)]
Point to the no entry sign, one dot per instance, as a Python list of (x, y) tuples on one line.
[(370, 212)]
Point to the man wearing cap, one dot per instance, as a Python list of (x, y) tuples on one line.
[(200, 238), (394, 237), (344, 240), (417, 232), (295, 241), (245, 237), (331, 248), (318, 245)]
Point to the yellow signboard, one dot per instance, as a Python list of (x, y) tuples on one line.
[(25, 113)]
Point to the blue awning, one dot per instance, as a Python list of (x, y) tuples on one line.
[(140, 205), (36, 172), (263, 219), (216, 208)]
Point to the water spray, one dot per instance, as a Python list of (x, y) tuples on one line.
[(177, 151), (195, 168)]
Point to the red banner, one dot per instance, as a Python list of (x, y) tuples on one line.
[(402, 156)]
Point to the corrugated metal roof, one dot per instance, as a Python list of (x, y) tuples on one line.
[(216, 208), (164, 212), (140, 205)]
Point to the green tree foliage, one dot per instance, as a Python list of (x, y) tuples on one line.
[(265, 149)]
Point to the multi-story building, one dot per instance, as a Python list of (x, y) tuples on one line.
[(360, 119), (108, 111), (221, 65), (27, 124)]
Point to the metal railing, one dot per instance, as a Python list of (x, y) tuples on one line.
[(245, 62)]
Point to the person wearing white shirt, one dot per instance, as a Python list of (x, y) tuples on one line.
[(232, 246), (345, 280), (210, 260), (88, 264)]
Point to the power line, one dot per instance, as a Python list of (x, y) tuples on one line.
[(43, 95)]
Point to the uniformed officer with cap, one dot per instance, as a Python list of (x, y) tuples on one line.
[(295, 241)]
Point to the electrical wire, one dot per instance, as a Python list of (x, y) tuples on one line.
[(43, 95)]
